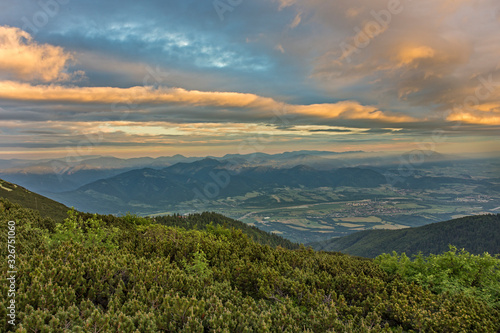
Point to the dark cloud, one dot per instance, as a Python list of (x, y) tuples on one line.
[(332, 130)]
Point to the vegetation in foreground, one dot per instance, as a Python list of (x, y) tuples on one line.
[(132, 274), (452, 272)]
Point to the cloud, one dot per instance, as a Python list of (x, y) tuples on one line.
[(353, 12), (349, 110), (91, 135), (410, 55), (285, 3), (138, 95), (481, 114), (420, 57), (475, 118), (22, 58), (227, 79), (296, 21), (331, 130), (10, 90)]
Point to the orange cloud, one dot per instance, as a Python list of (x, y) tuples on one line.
[(149, 95), (409, 55), (483, 114), (22, 58), (349, 110), (138, 95), (475, 118)]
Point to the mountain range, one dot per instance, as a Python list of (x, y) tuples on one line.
[(150, 189), (47, 176)]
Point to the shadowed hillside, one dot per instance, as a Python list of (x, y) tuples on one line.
[(476, 234), (28, 199)]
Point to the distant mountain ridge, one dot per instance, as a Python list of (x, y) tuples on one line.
[(60, 175), (147, 190), (477, 234), (47, 176), (150, 188)]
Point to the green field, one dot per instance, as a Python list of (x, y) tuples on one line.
[(313, 214)]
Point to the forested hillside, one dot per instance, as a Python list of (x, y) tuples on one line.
[(204, 221), (135, 275), (208, 221), (476, 234)]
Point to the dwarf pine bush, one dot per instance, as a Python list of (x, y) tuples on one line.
[(86, 276), (455, 271)]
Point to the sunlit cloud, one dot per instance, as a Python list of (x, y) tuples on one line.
[(409, 55), (149, 95), (140, 94), (349, 110), (482, 114), (418, 55), (24, 59)]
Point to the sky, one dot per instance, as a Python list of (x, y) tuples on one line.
[(159, 77)]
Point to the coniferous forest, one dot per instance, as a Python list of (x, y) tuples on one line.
[(96, 273)]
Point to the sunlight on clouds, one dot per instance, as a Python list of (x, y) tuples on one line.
[(482, 114), (202, 129), (148, 95), (139, 94), (410, 54), (421, 60), (23, 59), (389, 85), (488, 107), (349, 110), (474, 118)]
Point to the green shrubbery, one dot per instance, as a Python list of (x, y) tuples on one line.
[(107, 274), (90, 232), (452, 272)]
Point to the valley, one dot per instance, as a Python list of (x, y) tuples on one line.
[(304, 196), (308, 215)]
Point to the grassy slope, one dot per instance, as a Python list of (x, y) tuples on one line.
[(47, 207), (477, 234)]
